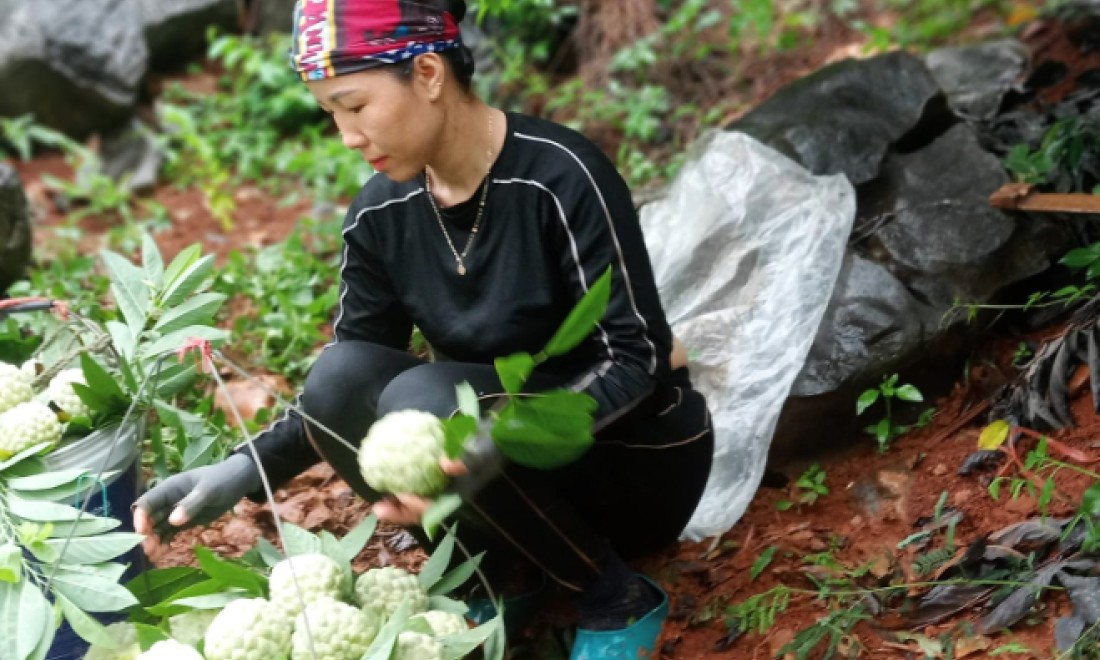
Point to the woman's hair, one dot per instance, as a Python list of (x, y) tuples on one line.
[(461, 59)]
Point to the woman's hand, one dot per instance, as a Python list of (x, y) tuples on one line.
[(408, 509)]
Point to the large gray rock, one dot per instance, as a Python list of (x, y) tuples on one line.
[(977, 77), (843, 118), (175, 30), (15, 228), (925, 238), (76, 65)]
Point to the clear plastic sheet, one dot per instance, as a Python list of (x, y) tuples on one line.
[(746, 249)]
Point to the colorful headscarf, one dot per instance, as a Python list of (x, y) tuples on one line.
[(334, 37)]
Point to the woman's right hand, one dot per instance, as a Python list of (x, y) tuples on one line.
[(195, 497)]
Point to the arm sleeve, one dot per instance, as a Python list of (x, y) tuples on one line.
[(633, 339), (368, 311)]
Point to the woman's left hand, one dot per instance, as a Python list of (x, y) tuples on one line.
[(408, 509)]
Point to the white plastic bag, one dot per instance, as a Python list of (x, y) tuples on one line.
[(746, 249)]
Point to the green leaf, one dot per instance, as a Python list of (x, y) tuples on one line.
[(152, 262), (230, 574), (461, 645), (24, 455), (96, 549), (762, 562), (168, 606), (89, 525), (148, 635), (99, 380), (439, 510), (513, 371), (199, 310), (299, 541), (467, 400), (457, 577), (11, 563), (438, 562), (130, 290), (582, 319), (92, 593), (188, 281), (88, 628), (46, 480), (354, 541), (175, 340), (35, 617), (545, 431), (908, 393), (1090, 501), (122, 337), (866, 400), (212, 601), (183, 261), (382, 646), (41, 511), (160, 584), (447, 605), (456, 431)]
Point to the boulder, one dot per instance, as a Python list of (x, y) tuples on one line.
[(15, 228), (175, 30), (843, 118), (76, 65), (977, 77)]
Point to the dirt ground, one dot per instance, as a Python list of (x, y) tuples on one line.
[(873, 502)]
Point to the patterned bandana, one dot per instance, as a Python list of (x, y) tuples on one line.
[(334, 37)]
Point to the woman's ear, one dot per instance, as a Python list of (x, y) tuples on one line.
[(430, 73)]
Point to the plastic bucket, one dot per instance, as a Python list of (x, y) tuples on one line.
[(110, 497)]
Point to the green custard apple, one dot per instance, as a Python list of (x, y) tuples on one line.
[(170, 649), (60, 392), (15, 387), (443, 623), (383, 590), (417, 646), (331, 630), (27, 424), (401, 454), (248, 629), (318, 576)]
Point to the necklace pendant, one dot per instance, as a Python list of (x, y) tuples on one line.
[(461, 268)]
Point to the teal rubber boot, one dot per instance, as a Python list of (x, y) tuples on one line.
[(637, 641)]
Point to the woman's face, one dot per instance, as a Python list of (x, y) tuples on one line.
[(394, 123)]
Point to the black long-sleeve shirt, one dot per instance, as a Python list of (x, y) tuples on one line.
[(557, 215)]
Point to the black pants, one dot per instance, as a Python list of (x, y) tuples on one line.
[(633, 491)]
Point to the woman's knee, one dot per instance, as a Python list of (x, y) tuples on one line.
[(348, 377), (427, 388)]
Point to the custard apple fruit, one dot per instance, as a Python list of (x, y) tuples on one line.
[(60, 391), (417, 646), (383, 589), (125, 636), (443, 623), (31, 368), (401, 454), (248, 629), (170, 649), (317, 576), (189, 627), (338, 631), (26, 425), (15, 387)]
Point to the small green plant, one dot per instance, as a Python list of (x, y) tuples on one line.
[(762, 562), (22, 134), (888, 391), (809, 487), (1022, 354), (832, 631), (1063, 161)]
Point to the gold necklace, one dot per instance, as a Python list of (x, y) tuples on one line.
[(460, 257)]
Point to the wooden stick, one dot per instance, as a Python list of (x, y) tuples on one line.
[(1022, 197)]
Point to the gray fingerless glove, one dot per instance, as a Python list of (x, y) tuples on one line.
[(205, 493)]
